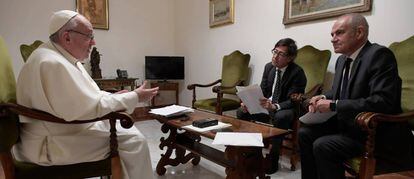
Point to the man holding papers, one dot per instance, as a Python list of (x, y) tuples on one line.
[(281, 77)]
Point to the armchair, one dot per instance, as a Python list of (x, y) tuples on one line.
[(314, 62), (9, 135), (26, 50), (235, 72), (368, 165)]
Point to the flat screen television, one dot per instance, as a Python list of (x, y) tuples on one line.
[(164, 67)]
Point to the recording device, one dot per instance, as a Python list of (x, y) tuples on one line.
[(202, 123), (122, 73)]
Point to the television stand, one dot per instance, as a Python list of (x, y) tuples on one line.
[(167, 93), (163, 81)]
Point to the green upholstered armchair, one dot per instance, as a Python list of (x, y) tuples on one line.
[(26, 50), (314, 62), (365, 167), (235, 72), (9, 135)]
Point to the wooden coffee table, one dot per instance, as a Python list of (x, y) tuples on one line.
[(240, 162)]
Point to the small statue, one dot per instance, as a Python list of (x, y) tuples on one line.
[(95, 60)]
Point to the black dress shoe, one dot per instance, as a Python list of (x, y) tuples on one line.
[(272, 169), (272, 164)]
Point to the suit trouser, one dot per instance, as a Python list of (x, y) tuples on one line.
[(281, 119), (323, 150)]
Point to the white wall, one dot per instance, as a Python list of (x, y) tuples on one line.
[(258, 26), (180, 27), (136, 28)]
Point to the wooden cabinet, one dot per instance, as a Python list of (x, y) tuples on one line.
[(167, 93), (116, 83)]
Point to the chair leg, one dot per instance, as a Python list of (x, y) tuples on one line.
[(8, 165), (295, 149), (116, 168), (294, 155)]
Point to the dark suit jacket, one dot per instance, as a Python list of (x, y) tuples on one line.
[(376, 87), (293, 81)]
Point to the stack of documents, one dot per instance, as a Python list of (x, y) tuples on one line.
[(239, 139), (316, 117), (173, 110), (250, 96)]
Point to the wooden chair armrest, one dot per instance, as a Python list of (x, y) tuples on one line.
[(316, 90), (219, 89), (193, 86), (369, 120), (303, 99), (296, 97), (125, 119)]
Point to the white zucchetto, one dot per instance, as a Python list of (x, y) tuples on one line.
[(59, 19)]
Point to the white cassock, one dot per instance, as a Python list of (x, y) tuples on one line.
[(54, 81)]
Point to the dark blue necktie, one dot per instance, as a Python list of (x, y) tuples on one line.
[(345, 79), (276, 91)]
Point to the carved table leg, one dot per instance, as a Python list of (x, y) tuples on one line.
[(170, 143), (248, 162)]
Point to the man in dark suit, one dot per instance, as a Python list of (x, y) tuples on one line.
[(281, 77), (366, 79)]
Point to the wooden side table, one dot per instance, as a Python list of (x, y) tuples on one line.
[(118, 83)]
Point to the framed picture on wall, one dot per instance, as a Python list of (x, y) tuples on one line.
[(307, 10), (94, 10), (221, 12)]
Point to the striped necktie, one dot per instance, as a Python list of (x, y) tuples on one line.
[(276, 91)]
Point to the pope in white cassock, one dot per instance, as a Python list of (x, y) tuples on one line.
[(54, 80)]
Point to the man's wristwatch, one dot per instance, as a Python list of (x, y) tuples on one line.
[(332, 106)]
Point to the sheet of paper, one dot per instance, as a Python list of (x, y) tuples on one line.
[(220, 125), (172, 110), (316, 118), (250, 96), (239, 139)]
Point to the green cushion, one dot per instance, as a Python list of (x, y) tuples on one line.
[(235, 67), (9, 124), (404, 53), (75, 171), (355, 163), (210, 104), (26, 50), (314, 62)]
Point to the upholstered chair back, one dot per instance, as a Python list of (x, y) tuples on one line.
[(26, 50), (8, 122), (235, 68), (314, 62), (404, 53)]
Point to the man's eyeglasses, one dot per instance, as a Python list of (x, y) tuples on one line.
[(90, 36), (282, 54)]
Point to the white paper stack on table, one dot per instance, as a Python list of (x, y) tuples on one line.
[(238, 139), (172, 110), (250, 96)]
